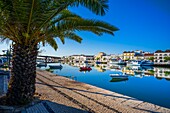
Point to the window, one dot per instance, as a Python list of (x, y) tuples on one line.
[(155, 57)]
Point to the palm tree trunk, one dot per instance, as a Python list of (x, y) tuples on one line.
[(21, 87)]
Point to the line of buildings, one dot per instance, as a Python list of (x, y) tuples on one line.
[(158, 57)]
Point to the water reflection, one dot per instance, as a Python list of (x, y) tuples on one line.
[(136, 71), (160, 73)]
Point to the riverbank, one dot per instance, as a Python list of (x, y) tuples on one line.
[(86, 97)]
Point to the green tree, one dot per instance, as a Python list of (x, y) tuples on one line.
[(29, 23), (151, 58), (167, 58)]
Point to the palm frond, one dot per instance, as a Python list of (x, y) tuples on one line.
[(52, 43), (98, 7), (30, 22)]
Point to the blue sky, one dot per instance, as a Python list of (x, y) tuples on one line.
[(144, 25)]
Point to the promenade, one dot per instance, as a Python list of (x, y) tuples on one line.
[(57, 94), (71, 95)]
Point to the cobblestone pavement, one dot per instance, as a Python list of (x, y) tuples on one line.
[(69, 96)]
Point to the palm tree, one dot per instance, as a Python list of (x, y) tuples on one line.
[(29, 23)]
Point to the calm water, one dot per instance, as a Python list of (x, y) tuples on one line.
[(153, 88)]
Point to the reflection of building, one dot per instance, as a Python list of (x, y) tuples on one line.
[(3, 84), (159, 57), (162, 72), (128, 71), (101, 67)]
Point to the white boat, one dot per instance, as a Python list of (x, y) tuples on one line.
[(135, 63), (42, 64), (140, 63), (147, 63), (40, 61), (117, 61), (119, 75)]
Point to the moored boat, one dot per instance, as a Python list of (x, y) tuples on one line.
[(118, 75), (134, 63), (147, 63), (85, 68), (55, 66), (43, 64), (117, 61), (118, 79)]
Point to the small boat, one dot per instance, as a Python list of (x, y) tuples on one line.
[(134, 63), (85, 68), (42, 64), (147, 63), (118, 75), (118, 79), (117, 61), (55, 66)]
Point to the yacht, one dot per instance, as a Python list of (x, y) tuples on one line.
[(140, 63), (134, 63), (147, 63), (117, 61)]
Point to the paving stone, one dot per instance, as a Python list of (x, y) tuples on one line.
[(132, 102), (97, 99), (148, 107)]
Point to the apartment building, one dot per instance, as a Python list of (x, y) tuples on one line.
[(159, 57), (82, 58), (128, 55)]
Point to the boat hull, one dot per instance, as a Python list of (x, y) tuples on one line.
[(56, 67), (118, 79)]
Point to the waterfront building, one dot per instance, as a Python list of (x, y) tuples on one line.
[(99, 56), (104, 58), (159, 57), (81, 58), (138, 56), (128, 55), (147, 56)]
